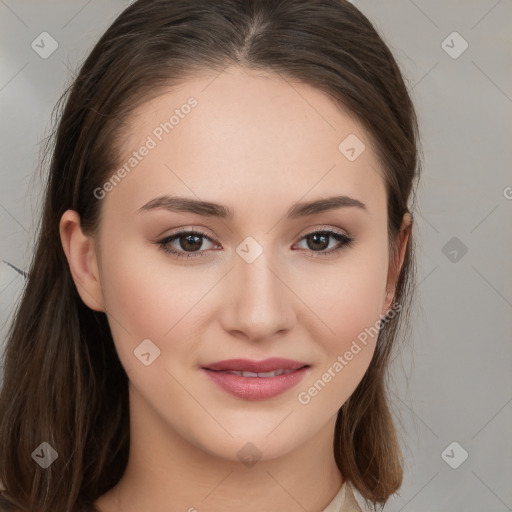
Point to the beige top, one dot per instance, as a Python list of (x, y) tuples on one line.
[(344, 501)]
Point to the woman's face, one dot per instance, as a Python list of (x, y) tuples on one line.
[(253, 285)]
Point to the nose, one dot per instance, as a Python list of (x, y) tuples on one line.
[(258, 304)]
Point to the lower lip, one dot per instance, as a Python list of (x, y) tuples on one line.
[(256, 388)]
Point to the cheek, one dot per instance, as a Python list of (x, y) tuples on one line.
[(139, 301), (349, 298), (348, 303), (345, 355), (143, 291), (157, 301)]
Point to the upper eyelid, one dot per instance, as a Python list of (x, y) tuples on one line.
[(331, 229)]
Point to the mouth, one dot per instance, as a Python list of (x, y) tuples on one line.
[(273, 364), (273, 373), (256, 380)]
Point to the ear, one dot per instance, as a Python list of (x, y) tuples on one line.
[(82, 260), (395, 264)]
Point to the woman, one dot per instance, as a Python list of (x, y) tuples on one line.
[(224, 259)]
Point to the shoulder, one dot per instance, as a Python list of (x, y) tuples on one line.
[(351, 502)]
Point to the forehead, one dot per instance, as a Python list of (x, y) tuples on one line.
[(251, 138)]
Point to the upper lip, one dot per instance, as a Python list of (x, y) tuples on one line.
[(248, 365)]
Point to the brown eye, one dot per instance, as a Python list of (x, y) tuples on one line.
[(319, 241), (188, 243)]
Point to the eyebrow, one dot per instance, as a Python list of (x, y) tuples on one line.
[(209, 209)]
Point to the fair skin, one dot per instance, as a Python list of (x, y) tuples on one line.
[(257, 145)]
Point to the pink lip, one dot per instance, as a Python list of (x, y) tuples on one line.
[(256, 388)]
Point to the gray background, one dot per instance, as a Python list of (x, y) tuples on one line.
[(454, 382)]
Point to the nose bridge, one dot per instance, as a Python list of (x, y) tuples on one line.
[(262, 304), (259, 277)]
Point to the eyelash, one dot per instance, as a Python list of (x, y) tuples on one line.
[(345, 240)]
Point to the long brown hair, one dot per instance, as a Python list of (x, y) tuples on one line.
[(63, 381)]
